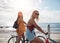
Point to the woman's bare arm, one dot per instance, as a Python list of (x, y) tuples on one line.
[(37, 27)]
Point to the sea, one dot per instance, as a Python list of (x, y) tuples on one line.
[(54, 27)]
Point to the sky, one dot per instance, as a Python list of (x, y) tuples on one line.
[(49, 10)]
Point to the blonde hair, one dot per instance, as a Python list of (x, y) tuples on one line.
[(35, 11)]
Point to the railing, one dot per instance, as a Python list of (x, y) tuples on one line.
[(48, 31)]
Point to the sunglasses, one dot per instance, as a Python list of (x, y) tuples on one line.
[(37, 13)]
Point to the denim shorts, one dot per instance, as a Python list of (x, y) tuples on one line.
[(30, 35)]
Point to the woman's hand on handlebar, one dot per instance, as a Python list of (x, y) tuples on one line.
[(46, 33)]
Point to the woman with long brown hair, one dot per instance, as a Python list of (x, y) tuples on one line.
[(21, 27)]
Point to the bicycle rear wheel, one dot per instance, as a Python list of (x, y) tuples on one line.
[(13, 39)]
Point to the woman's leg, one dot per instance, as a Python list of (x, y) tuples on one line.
[(23, 37), (37, 40), (19, 37)]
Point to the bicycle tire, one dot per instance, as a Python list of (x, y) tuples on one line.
[(11, 39), (43, 38)]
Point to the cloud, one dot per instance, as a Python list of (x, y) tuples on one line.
[(50, 15), (37, 3), (27, 6)]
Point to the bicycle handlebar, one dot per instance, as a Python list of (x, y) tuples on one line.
[(46, 33)]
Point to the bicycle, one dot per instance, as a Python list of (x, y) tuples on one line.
[(26, 40), (13, 39)]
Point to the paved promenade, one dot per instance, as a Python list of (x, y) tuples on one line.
[(6, 34)]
